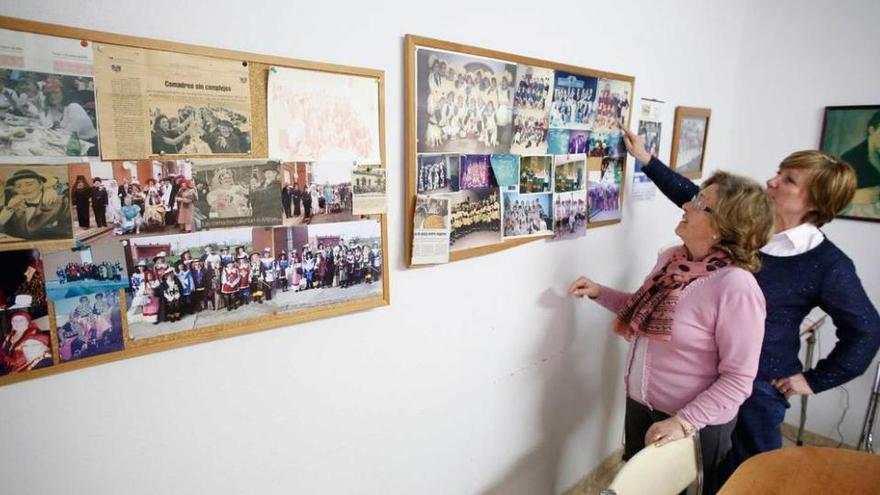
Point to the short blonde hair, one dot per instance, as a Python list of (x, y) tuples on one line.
[(743, 216), (832, 183)]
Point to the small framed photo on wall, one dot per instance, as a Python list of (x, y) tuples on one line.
[(852, 133), (689, 141)]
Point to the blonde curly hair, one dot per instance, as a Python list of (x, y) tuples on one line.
[(743, 216)]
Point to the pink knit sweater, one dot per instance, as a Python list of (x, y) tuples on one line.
[(706, 371)]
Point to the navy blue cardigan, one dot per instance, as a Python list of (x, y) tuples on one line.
[(823, 276)]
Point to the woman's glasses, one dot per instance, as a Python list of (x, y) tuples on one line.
[(698, 204)]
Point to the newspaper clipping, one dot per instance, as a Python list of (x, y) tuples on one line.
[(430, 230), (162, 103), (47, 97)]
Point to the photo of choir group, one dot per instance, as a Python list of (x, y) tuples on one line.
[(465, 103), (551, 122), (475, 217), (182, 282), (527, 215), (534, 90)]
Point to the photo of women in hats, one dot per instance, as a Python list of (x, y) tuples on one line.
[(238, 193), (43, 114), (22, 279), (24, 341), (198, 130), (192, 281), (35, 206), (88, 325), (464, 103)]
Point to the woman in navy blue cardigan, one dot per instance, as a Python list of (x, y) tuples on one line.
[(800, 270)]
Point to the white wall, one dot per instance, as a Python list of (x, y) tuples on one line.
[(797, 58), (482, 376)]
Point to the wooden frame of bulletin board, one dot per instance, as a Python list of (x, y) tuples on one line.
[(258, 69), (413, 44)]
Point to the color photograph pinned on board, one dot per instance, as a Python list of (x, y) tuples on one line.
[(569, 173), (35, 205), (612, 105), (505, 168), (531, 106), (95, 267), (22, 279), (570, 214), (578, 142), (437, 173), (25, 342), (237, 193), (607, 143), (185, 282), (464, 103), (24, 317), (573, 98), (47, 97), (368, 190), (527, 215), (89, 325), (557, 141), (535, 174), (605, 176), (321, 192), (476, 218), (476, 172)]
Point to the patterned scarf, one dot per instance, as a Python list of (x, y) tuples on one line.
[(648, 313)]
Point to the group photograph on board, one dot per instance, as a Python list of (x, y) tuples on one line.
[(527, 215), (184, 282), (464, 103), (317, 192)]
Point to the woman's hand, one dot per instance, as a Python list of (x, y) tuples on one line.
[(635, 145), (584, 287), (793, 385), (663, 432)]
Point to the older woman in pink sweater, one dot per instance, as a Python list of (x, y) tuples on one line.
[(696, 324)]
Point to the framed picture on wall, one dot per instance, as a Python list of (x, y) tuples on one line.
[(853, 134), (689, 140)]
